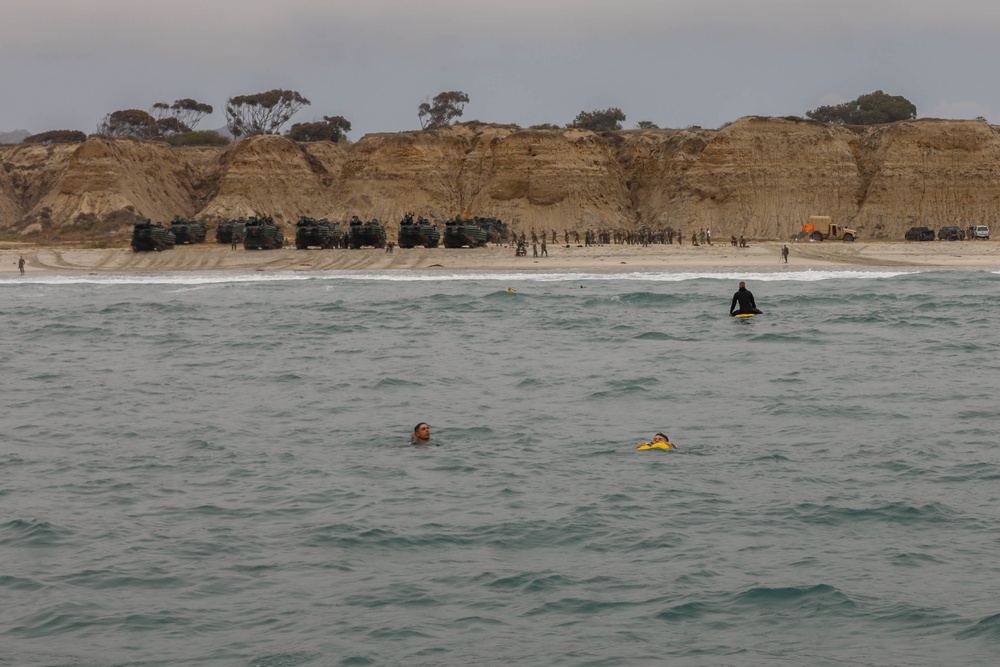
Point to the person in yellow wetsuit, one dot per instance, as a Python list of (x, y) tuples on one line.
[(660, 441)]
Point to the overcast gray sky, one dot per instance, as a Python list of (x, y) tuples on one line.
[(67, 63)]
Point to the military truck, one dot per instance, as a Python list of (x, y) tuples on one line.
[(369, 233), (321, 233), (822, 228), (417, 232), (262, 234), (459, 232), (148, 236), (187, 231), (229, 231)]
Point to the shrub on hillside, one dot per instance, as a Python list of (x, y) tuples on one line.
[(56, 137), (198, 138)]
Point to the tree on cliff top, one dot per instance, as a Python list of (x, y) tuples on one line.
[(608, 120), (129, 123), (871, 109), (332, 128), (181, 116), (444, 108), (262, 113), (56, 137)]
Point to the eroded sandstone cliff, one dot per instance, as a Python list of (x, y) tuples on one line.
[(761, 177)]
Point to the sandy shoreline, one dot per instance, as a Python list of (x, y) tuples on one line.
[(609, 258)]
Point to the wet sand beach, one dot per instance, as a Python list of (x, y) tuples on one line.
[(609, 258)]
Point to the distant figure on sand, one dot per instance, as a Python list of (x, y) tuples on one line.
[(784, 253), (20, 264), (744, 298)]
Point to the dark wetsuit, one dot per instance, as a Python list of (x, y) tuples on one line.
[(744, 298)]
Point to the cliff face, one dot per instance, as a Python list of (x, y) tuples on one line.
[(761, 177)]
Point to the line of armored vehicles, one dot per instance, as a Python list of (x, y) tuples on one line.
[(262, 233)]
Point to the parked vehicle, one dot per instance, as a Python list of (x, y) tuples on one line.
[(821, 227), (949, 234), (981, 232), (262, 234), (919, 234), (369, 233), (230, 230), (312, 232), (419, 232), (148, 236), (187, 231)]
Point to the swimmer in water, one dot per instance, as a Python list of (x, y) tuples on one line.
[(659, 441), (421, 434)]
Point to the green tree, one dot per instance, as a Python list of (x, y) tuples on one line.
[(262, 113), (442, 110), (129, 123), (545, 126), (871, 109), (647, 125), (608, 120), (332, 128), (56, 137)]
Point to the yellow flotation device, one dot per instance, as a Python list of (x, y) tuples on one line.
[(511, 290), (655, 445)]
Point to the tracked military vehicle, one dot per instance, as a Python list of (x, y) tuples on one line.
[(147, 236), (459, 232), (262, 234), (497, 230), (230, 230), (369, 233), (321, 233), (417, 232), (187, 231)]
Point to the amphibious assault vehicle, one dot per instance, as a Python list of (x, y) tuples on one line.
[(497, 230), (420, 232), (230, 230), (459, 232), (262, 234), (369, 233), (148, 236), (187, 231), (311, 232)]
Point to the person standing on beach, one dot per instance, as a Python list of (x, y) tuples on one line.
[(784, 253), (708, 236), (545, 252), (20, 264), (534, 248)]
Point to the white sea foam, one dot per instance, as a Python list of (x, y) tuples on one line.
[(223, 278)]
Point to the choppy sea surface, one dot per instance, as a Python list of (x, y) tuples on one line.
[(212, 469)]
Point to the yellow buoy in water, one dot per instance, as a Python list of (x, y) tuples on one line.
[(511, 290)]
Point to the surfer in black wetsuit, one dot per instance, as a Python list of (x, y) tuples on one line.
[(744, 298)]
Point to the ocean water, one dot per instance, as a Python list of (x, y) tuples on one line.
[(211, 469)]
